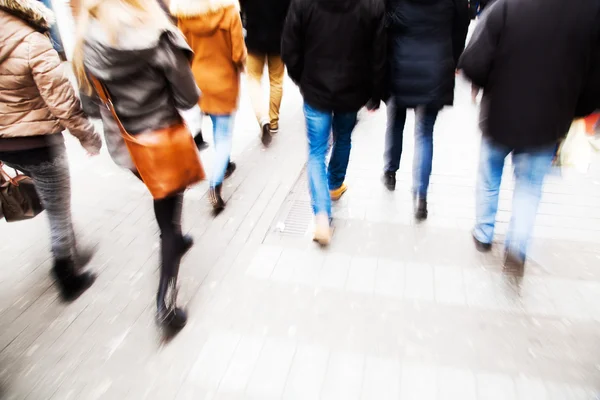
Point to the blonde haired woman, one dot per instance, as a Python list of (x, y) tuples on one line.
[(135, 51)]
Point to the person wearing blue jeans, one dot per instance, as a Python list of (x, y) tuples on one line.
[(324, 179), (425, 117), (530, 168), (222, 166)]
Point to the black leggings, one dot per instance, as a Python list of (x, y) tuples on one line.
[(168, 216)]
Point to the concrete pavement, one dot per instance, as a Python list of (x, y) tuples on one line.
[(391, 310)]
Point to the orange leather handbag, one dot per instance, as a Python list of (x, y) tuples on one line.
[(166, 159)]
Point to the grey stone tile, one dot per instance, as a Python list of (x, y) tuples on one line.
[(361, 276), (214, 359), (418, 383), (264, 261), (242, 365), (334, 272), (272, 369), (449, 285), (307, 373), (456, 384), (382, 379), (529, 388), (389, 278), (495, 387), (419, 282), (344, 377)]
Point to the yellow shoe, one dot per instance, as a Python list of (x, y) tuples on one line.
[(322, 233), (336, 194)]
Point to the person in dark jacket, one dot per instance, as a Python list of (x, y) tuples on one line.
[(532, 59), (425, 38), (337, 78), (264, 21)]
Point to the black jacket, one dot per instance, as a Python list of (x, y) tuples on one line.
[(425, 40), (335, 51), (264, 21), (533, 59)]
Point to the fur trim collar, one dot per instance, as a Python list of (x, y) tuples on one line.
[(193, 8), (31, 11)]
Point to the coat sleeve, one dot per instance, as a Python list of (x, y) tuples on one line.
[(238, 47), (175, 63), (56, 89), (379, 54), (477, 59), (460, 28), (292, 42)]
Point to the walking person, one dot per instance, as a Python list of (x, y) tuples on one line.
[(135, 51), (532, 58), (38, 103), (213, 29), (337, 78), (264, 21), (425, 40)]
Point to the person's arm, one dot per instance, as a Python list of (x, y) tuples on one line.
[(173, 58), (460, 28), (58, 93), (378, 55), (292, 43), (476, 61), (238, 47)]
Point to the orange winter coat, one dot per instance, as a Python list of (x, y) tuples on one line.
[(213, 29), (36, 96)]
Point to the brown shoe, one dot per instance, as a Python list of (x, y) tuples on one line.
[(322, 234)]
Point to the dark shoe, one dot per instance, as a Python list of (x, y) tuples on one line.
[(186, 244), (174, 318), (231, 167), (514, 264), (214, 196), (481, 246), (71, 283), (199, 140), (274, 131), (420, 208), (266, 137), (389, 180)]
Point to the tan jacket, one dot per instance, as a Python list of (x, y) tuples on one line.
[(36, 97), (213, 29)]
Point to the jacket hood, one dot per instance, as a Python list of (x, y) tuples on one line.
[(133, 50), (338, 6), (32, 12)]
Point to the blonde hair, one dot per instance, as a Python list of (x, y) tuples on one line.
[(111, 16)]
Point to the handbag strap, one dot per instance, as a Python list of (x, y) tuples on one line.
[(105, 98)]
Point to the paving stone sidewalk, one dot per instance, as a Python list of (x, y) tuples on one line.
[(392, 310)]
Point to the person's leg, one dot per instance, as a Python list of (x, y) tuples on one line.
[(276, 75), (530, 169), (396, 118), (425, 118), (53, 185), (318, 128), (343, 124), (223, 137), (173, 246), (491, 165), (255, 65)]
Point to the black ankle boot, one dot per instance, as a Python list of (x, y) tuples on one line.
[(215, 198), (186, 244), (171, 317), (71, 283), (199, 140), (420, 208)]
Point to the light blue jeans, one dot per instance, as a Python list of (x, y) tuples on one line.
[(223, 138), (322, 177), (530, 168)]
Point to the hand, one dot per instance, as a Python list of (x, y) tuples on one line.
[(92, 146)]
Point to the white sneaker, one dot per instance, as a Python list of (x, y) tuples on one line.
[(322, 233)]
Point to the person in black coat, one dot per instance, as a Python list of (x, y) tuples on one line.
[(335, 51), (425, 40), (264, 21), (534, 60)]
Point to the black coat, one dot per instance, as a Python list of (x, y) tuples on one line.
[(264, 21), (426, 38), (533, 59), (335, 51)]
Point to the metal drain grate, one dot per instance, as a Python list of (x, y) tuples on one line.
[(295, 216)]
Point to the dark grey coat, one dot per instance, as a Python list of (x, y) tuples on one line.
[(148, 77)]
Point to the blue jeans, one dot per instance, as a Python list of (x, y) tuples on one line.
[(425, 118), (322, 178), (530, 168), (223, 137)]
